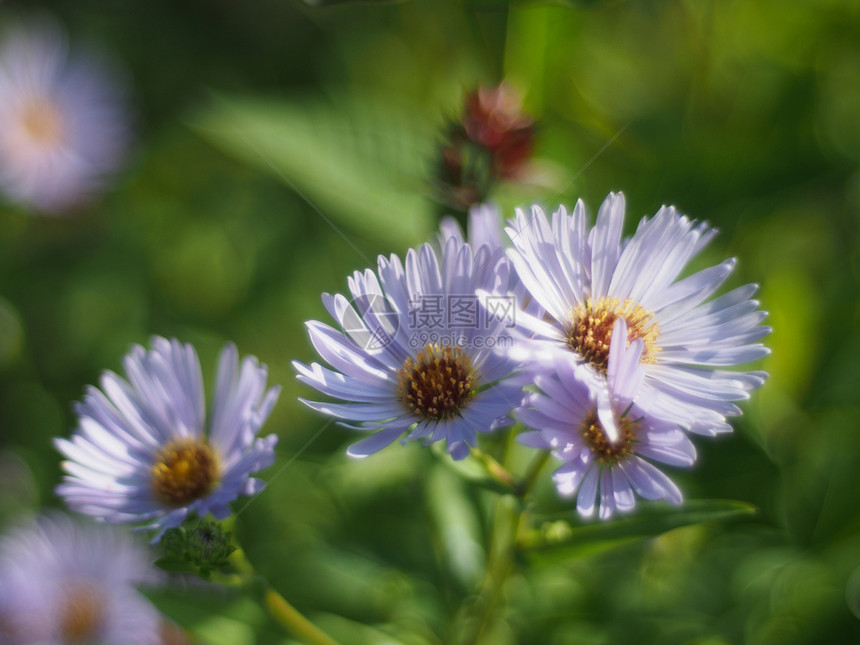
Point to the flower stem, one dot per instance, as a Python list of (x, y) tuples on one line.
[(496, 470), (287, 616), (293, 621), (500, 564), (500, 553), (531, 475)]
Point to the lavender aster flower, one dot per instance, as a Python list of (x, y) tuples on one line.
[(66, 583), (142, 450), (491, 265), (604, 432), (486, 237), (62, 124), (588, 279), (485, 228), (417, 354)]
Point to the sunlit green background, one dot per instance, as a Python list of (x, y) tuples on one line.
[(282, 146)]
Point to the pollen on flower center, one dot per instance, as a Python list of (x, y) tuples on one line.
[(602, 448), (81, 615), (42, 122), (591, 331), (185, 470), (438, 383)]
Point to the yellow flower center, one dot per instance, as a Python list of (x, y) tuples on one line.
[(81, 614), (438, 383), (185, 470), (603, 449), (42, 122), (591, 331)]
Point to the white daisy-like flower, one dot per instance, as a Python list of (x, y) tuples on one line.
[(603, 432), (63, 126), (586, 279), (143, 451), (67, 583), (418, 353)]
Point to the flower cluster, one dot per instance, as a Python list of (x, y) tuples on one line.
[(613, 359)]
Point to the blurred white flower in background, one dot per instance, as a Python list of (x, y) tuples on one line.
[(63, 123)]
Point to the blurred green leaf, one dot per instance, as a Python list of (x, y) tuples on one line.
[(218, 616), (363, 164), (457, 525), (558, 540), (354, 632), (11, 333)]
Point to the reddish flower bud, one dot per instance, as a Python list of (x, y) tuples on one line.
[(494, 142), (495, 120)]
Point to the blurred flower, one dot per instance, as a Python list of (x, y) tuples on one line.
[(142, 452), (601, 430), (418, 353), (495, 141), (63, 127), (587, 279), (66, 582)]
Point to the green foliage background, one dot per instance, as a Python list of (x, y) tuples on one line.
[(281, 146)]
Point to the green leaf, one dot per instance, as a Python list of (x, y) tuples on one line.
[(362, 164), (557, 539)]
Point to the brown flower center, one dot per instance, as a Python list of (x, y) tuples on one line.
[(185, 470), (591, 331), (438, 383), (8, 630), (81, 615), (601, 446)]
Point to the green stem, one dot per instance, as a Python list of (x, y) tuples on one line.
[(500, 564), (496, 470), (293, 621), (283, 612), (531, 475), (500, 554)]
